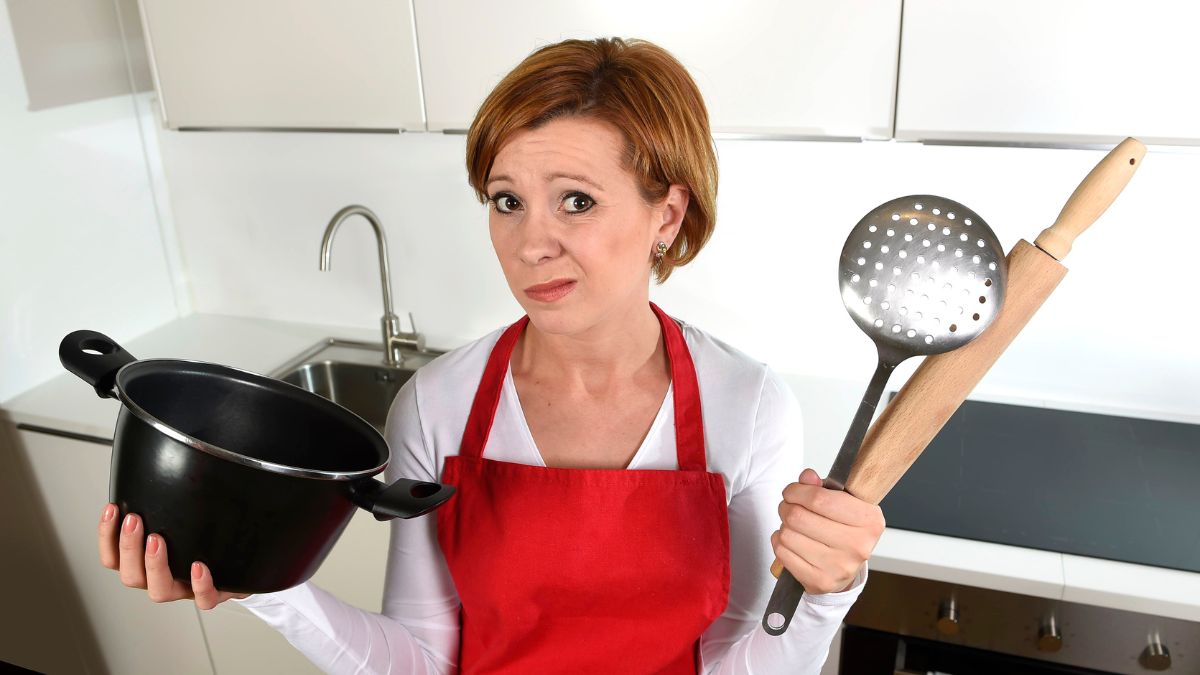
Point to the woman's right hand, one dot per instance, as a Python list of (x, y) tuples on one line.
[(142, 562)]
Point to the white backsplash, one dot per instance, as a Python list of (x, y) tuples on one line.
[(80, 243), (250, 208)]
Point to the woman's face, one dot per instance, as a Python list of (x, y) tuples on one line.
[(570, 227)]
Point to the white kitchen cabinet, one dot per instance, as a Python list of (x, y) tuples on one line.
[(1049, 71), (819, 68), (45, 627), (301, 64), (135, 635)]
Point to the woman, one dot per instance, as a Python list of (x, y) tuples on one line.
[(618, 471)]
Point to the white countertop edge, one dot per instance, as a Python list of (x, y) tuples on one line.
[(1135, 588), (971, 563)]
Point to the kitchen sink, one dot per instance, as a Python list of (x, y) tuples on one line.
[(353, 374)]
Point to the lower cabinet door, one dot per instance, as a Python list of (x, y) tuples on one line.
[(134, 634)]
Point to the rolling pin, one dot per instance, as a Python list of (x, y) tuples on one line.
[(942, 382)]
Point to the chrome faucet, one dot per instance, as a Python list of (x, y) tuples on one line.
[(393, 338)]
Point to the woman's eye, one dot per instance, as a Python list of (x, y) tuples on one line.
[(505, 203), (577, 202)]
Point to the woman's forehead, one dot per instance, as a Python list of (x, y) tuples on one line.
[(580, 148)]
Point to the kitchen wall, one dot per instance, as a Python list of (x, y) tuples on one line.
[(250, 208), (81, 188)]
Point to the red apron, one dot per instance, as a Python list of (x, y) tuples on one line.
[(585, 570)]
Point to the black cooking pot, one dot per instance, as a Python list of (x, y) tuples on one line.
[(255, 477)]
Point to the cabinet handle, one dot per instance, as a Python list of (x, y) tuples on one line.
[(65, 434)]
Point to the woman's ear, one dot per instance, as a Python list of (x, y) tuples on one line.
[(672, 209)]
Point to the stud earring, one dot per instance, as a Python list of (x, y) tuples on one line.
[(660, 251)]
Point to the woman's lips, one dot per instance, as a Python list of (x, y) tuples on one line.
[(551, 290)]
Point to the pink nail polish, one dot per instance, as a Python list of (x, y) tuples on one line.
[(196, 570), (109, 512), (130, 523), (152, 545)]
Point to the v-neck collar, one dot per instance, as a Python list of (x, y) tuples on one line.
[(510, 389)]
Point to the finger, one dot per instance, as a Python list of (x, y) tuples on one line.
[(810, 477), (825, 570), (133, 561), (802, 570), (206, 594), (106, 535), (833, 504), (825, 530), (160, 585)]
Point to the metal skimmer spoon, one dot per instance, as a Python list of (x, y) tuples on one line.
[(920, 275)]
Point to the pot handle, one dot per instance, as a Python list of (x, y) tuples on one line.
[(405, 498), (94, 358)]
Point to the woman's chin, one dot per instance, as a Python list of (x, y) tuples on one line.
[(556, 319)]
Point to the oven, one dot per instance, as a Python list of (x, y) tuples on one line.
[(1103, 486), (902, 625)]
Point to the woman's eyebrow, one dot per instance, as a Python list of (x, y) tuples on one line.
[(575, 176), (497, 179), (552, 176)]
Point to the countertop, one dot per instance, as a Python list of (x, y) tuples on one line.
[(65, 403)]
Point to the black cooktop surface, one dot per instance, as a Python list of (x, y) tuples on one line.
[(1120, 488)]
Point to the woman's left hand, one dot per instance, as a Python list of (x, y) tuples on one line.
[(826, 535)]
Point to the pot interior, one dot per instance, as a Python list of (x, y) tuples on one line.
[(253, 415)]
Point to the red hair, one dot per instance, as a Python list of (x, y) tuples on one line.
[(636, 86)]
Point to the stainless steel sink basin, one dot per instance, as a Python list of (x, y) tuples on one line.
[(353, 374)]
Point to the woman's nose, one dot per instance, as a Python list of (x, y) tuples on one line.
[(538, 238)]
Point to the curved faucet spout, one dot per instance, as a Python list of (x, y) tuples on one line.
[(393, 337), (380, 238)]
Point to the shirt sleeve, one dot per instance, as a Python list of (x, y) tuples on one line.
[(736, 641), (418, 631)]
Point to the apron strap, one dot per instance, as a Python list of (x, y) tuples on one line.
[(689, 424), (689, 427), (487, 396)]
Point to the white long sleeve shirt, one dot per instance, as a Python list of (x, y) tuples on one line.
[(752, 428)]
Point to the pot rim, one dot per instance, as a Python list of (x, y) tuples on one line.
[(229, 455)]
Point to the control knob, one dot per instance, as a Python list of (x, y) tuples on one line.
[(1049, 636), (947, 621), (1155, 656)]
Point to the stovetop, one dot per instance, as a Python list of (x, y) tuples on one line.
[(1120, 488)]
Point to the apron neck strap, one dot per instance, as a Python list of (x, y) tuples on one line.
[(689, 426)]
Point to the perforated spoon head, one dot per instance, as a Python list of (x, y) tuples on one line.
[(922, 275)]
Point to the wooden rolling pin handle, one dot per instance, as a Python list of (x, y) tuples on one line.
[(1093, 196)]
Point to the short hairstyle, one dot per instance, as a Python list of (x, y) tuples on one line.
[(632, 84)]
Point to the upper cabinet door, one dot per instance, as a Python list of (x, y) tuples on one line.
[(808, 68), (305, 64), (1073, 71)]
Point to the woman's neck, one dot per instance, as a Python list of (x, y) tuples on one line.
[(620, 347)]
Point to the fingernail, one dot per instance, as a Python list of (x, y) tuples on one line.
[(197, 571), (152, 544), (130, 523), (109, 512)]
